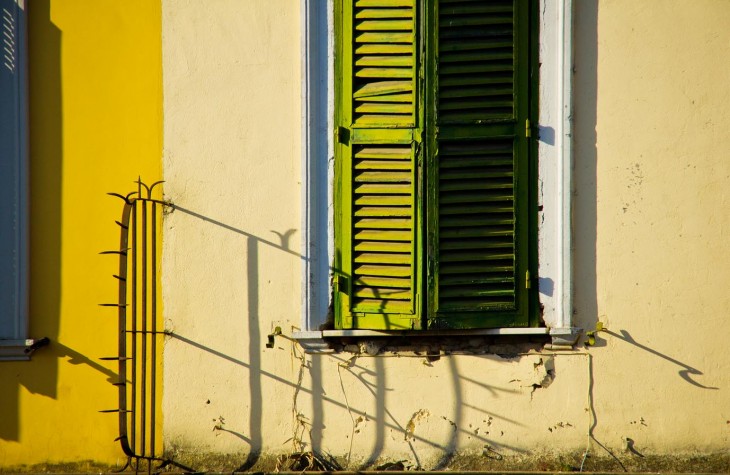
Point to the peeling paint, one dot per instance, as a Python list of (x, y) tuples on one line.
[(418, 416)]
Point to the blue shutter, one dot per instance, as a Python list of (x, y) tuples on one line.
[(13, 171)]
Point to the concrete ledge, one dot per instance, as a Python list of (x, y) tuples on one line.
[(16, 350), (432, 333), (321, 341)]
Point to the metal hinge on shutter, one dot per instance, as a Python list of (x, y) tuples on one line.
[(527, 280), (341, 282), (342, 135), (528, 129)]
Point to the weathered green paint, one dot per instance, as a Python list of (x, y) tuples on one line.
[(378, 220), (479, 288), (473, 265)]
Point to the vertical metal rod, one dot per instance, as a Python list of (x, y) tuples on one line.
[(122, 337), (153, 310), (133, 302), (144, 330)]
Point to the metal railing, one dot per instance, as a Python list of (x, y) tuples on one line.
[(140, 329)]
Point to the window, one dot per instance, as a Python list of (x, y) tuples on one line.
[(435, 173), (13, 183), (552, 132)]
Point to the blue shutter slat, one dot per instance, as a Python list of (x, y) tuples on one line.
[(13, 171)]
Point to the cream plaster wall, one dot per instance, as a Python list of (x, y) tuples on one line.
[(231, 266), (652, 176), (651, 170)]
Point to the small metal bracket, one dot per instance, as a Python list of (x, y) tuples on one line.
[(342, 134), (272, 337), (591, 335)]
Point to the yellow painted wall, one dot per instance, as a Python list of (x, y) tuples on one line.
[(95, 125)]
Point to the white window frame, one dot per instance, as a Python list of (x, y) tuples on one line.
[(554, 181)]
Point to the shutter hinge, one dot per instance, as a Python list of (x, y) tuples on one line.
[(528, 129), (527, 280), (342, 135), (342, 283)]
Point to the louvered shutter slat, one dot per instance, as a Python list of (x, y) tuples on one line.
[(382, 3), (383, 271), (380, 282), (384, 13)]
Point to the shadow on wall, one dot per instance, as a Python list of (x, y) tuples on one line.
[(373, 378), (686, 372), (254, 335), (374, 382), (40, 376)]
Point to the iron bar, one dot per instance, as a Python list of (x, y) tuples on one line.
[(133, 434), (143, 362), (153, 295), (122, 337)]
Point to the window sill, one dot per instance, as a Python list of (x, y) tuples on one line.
[(317, 341), (17, 350)]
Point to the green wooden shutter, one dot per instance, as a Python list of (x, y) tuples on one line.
[(377, 211), (478, 164)]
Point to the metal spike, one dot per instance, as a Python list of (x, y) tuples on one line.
[(153, 185), (119, 278), (126, 200), (123, 252), (119, 384), (122, 305), (141, 184), (122, 225), (108, 411), (115, 358)]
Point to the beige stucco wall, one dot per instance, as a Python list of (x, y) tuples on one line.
[(651, 174), (651, 208)]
